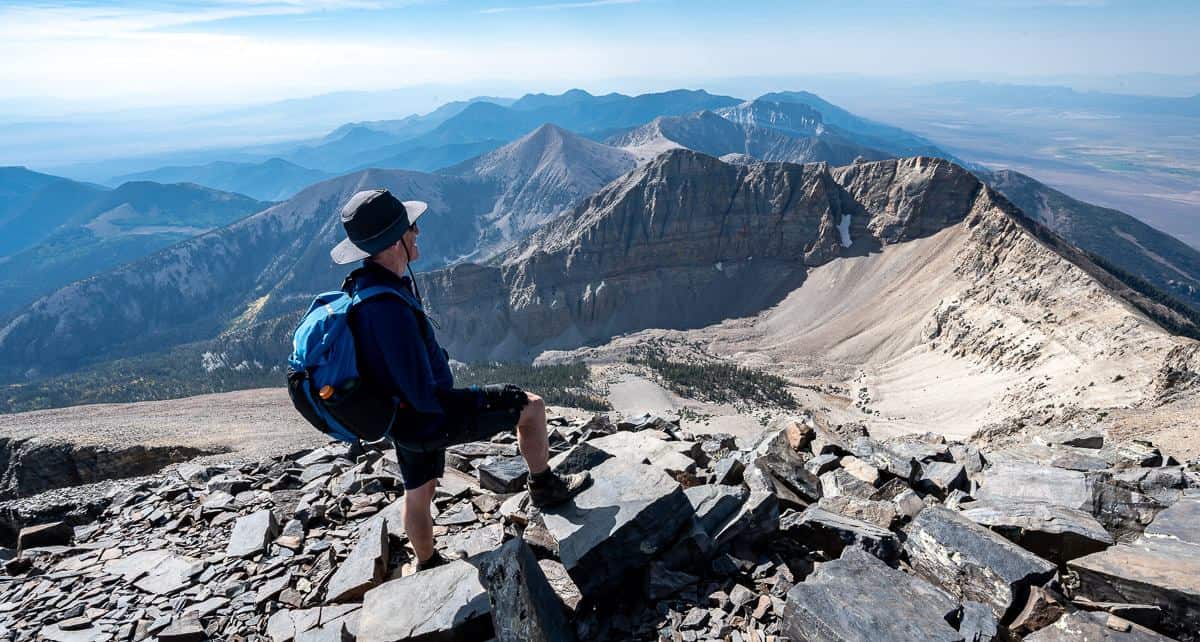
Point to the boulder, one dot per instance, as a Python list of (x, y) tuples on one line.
[(880, 513), (252, 534), (1094, 626), (1042, 608), (503, 474), (524, 607), (858, 597), (831, 532), (713, 504), (50, 534), (1079, 438), (860, 469), (364, 568), (1056, 533), (580, 457), (651, 447), (443, 603), (1019, 480), (972, 562), (759, 515), (904, 465), (1154, 570), (837, 483), (618, 523), (941, 477)]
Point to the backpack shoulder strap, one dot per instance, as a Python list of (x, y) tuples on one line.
[(366, 293)]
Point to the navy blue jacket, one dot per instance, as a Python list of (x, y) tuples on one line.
[(397, 350)]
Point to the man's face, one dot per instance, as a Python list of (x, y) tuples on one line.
[(410, 243)]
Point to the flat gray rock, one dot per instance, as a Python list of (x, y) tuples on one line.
[(1156, 570), (972, 562), (1014, 480), (1181, 521), (618, 523), (252, 534), (443, 603), (1056, 533), (831, 532), (858, 597), (364, 567), (713, 504), (170, 574), (1092, 626), (503, 474)]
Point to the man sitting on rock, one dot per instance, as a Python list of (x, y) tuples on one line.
[(399, 355)]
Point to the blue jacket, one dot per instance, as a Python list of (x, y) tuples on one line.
[(398, 351)]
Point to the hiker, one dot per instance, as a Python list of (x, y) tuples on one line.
[(398, 355)]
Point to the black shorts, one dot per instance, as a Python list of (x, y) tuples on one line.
[(426, 460)]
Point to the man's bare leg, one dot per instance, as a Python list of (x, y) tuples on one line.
[(418, 518), (531, 434)]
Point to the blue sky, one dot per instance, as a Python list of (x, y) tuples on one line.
[(153, 52)]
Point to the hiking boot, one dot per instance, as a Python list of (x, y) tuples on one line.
[(556, 489), (413, 566)]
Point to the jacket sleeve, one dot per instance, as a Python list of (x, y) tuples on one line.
[(389, 342)]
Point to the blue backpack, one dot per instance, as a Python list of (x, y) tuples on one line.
[(323, 379)]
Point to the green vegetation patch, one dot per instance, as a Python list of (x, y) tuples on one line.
[(560, 385), (716, 381)]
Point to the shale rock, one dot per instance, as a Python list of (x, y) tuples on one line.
[(443, 603), (524, 607), (971, 562), (858, 597), (1094, 627), (628, 513), (1056, 533)]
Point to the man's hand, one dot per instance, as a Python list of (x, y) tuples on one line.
[(504, 396)]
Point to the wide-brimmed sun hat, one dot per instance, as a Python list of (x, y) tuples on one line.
[(374, 220)]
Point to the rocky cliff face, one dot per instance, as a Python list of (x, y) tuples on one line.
[(687, 241)]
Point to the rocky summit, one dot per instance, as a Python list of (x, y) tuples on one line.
[(810, 532)]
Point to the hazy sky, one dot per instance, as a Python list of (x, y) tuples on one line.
[(153, 52)]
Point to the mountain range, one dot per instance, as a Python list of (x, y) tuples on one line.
[(271, 180), (558, 240), (56, 231)]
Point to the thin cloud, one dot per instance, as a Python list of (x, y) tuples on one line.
[(559, 6)]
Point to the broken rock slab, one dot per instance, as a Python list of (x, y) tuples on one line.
[(1056, 533), (618, 523), (858, 597), (972, 562), (364, 568), (51, 534), (252, 534), (831, 533), (524, 607), (1153, 570), (1093, 626), (443, 603)]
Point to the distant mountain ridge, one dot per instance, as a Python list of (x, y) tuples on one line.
[(274, 179)]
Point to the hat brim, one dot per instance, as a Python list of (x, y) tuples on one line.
[(347, 252)]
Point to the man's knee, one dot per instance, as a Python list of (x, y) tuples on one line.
[(535, 408), (421, 497)]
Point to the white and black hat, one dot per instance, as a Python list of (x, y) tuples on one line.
[(374, 220)]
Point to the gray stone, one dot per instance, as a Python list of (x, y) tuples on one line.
[(183, 630), (729, 470), (904, 465), (880, 513), (783, 467), (821, 464), (474, 542), (713, 504), (524, 607), (1091, 439), (1013, 480), (50, 534), (663, 582), (836, 483), (461, 514), (978, 623), (860, 469), (252, 534), (443, 603), (972, 562), (580, 457), (364, 568), (858, 597), (503, 474), (759, 515), (556, 574), (1056, 533), (831, 532), (940, 477), (171, 573), (1094, 627), (1155, 570), (1042, 608), (653, 448), (628, 513), (1181, 521)]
